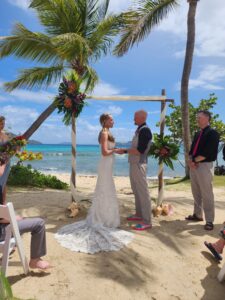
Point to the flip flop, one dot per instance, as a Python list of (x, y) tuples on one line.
[(141, 227), (216, 255), (194, 218), (134, 218), (209, 226)]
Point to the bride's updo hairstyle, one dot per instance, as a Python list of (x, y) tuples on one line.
[(103, 119)]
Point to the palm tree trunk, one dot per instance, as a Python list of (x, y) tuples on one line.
[(39, 121), (185, 80)]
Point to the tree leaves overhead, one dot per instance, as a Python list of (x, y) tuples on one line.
[(36, 77), (76, 33), (27, 44), (140, 22)]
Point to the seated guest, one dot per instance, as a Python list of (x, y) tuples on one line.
[(36, 226), (217, 248)]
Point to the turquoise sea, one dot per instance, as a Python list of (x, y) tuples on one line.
[(57, 159)]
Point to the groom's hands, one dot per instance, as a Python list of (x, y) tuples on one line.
[(119, 151)]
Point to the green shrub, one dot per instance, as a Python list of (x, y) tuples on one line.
[(25, 176), (5, 289)]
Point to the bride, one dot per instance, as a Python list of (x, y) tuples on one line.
[(98, 232)]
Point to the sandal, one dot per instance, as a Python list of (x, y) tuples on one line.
[(194, 217), (134, 218), (142, 226), (209, 226), (213, 251)]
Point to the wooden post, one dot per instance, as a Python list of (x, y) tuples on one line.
[(73, 170), (160, 171)]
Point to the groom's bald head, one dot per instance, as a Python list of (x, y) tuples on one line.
[(140, 117)]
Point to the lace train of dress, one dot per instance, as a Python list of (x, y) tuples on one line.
[(98, 232)]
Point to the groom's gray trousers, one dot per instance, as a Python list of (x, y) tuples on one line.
[(36, 226), (139, 186)]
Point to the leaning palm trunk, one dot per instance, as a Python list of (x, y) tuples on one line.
[(39, 121), (185, 80)]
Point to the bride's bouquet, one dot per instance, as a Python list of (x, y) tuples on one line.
[(164, 149), (10, 148)]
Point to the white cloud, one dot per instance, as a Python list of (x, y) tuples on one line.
[(18, 119), (105, 89), (154, 112), (35, 97), (114, 110), (115, 6), (88, 126), (24, 4), (210, 27), (209, 78)]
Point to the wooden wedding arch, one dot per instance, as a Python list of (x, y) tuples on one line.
[(162, 99)]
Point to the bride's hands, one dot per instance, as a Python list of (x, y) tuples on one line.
[(119, 151)]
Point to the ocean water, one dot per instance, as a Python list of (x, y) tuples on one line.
[(57, 159)]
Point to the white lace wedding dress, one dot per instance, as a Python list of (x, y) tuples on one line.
[(98, 232)]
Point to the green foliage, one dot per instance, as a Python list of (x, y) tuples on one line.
[(164, 149), (5, 289), (174, 122), (25, 176)]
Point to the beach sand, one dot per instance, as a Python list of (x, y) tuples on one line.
[(168, 262)]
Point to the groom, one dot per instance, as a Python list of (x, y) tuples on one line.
[(138, 167)]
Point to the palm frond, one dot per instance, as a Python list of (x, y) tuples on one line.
[(27, 44), (140, 22), (101, 39), (89, 79), (60, 16), (35, 77), (72, 46), (103, 8)]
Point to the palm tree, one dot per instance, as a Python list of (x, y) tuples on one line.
[(76, 34), (139, 23)]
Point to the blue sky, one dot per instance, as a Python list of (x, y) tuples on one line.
[(154, 64)]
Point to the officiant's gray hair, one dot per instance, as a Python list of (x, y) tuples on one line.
[(102, 119)]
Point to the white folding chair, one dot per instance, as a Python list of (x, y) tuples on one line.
[(12, 239), (221, 275)]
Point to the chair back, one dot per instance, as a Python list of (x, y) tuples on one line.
[(12, 238)]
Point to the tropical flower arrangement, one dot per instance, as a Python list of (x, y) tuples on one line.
[(28, 155), (70, 100), (10, 148), (164, 149)]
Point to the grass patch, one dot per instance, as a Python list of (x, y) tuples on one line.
[(218, 181)]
